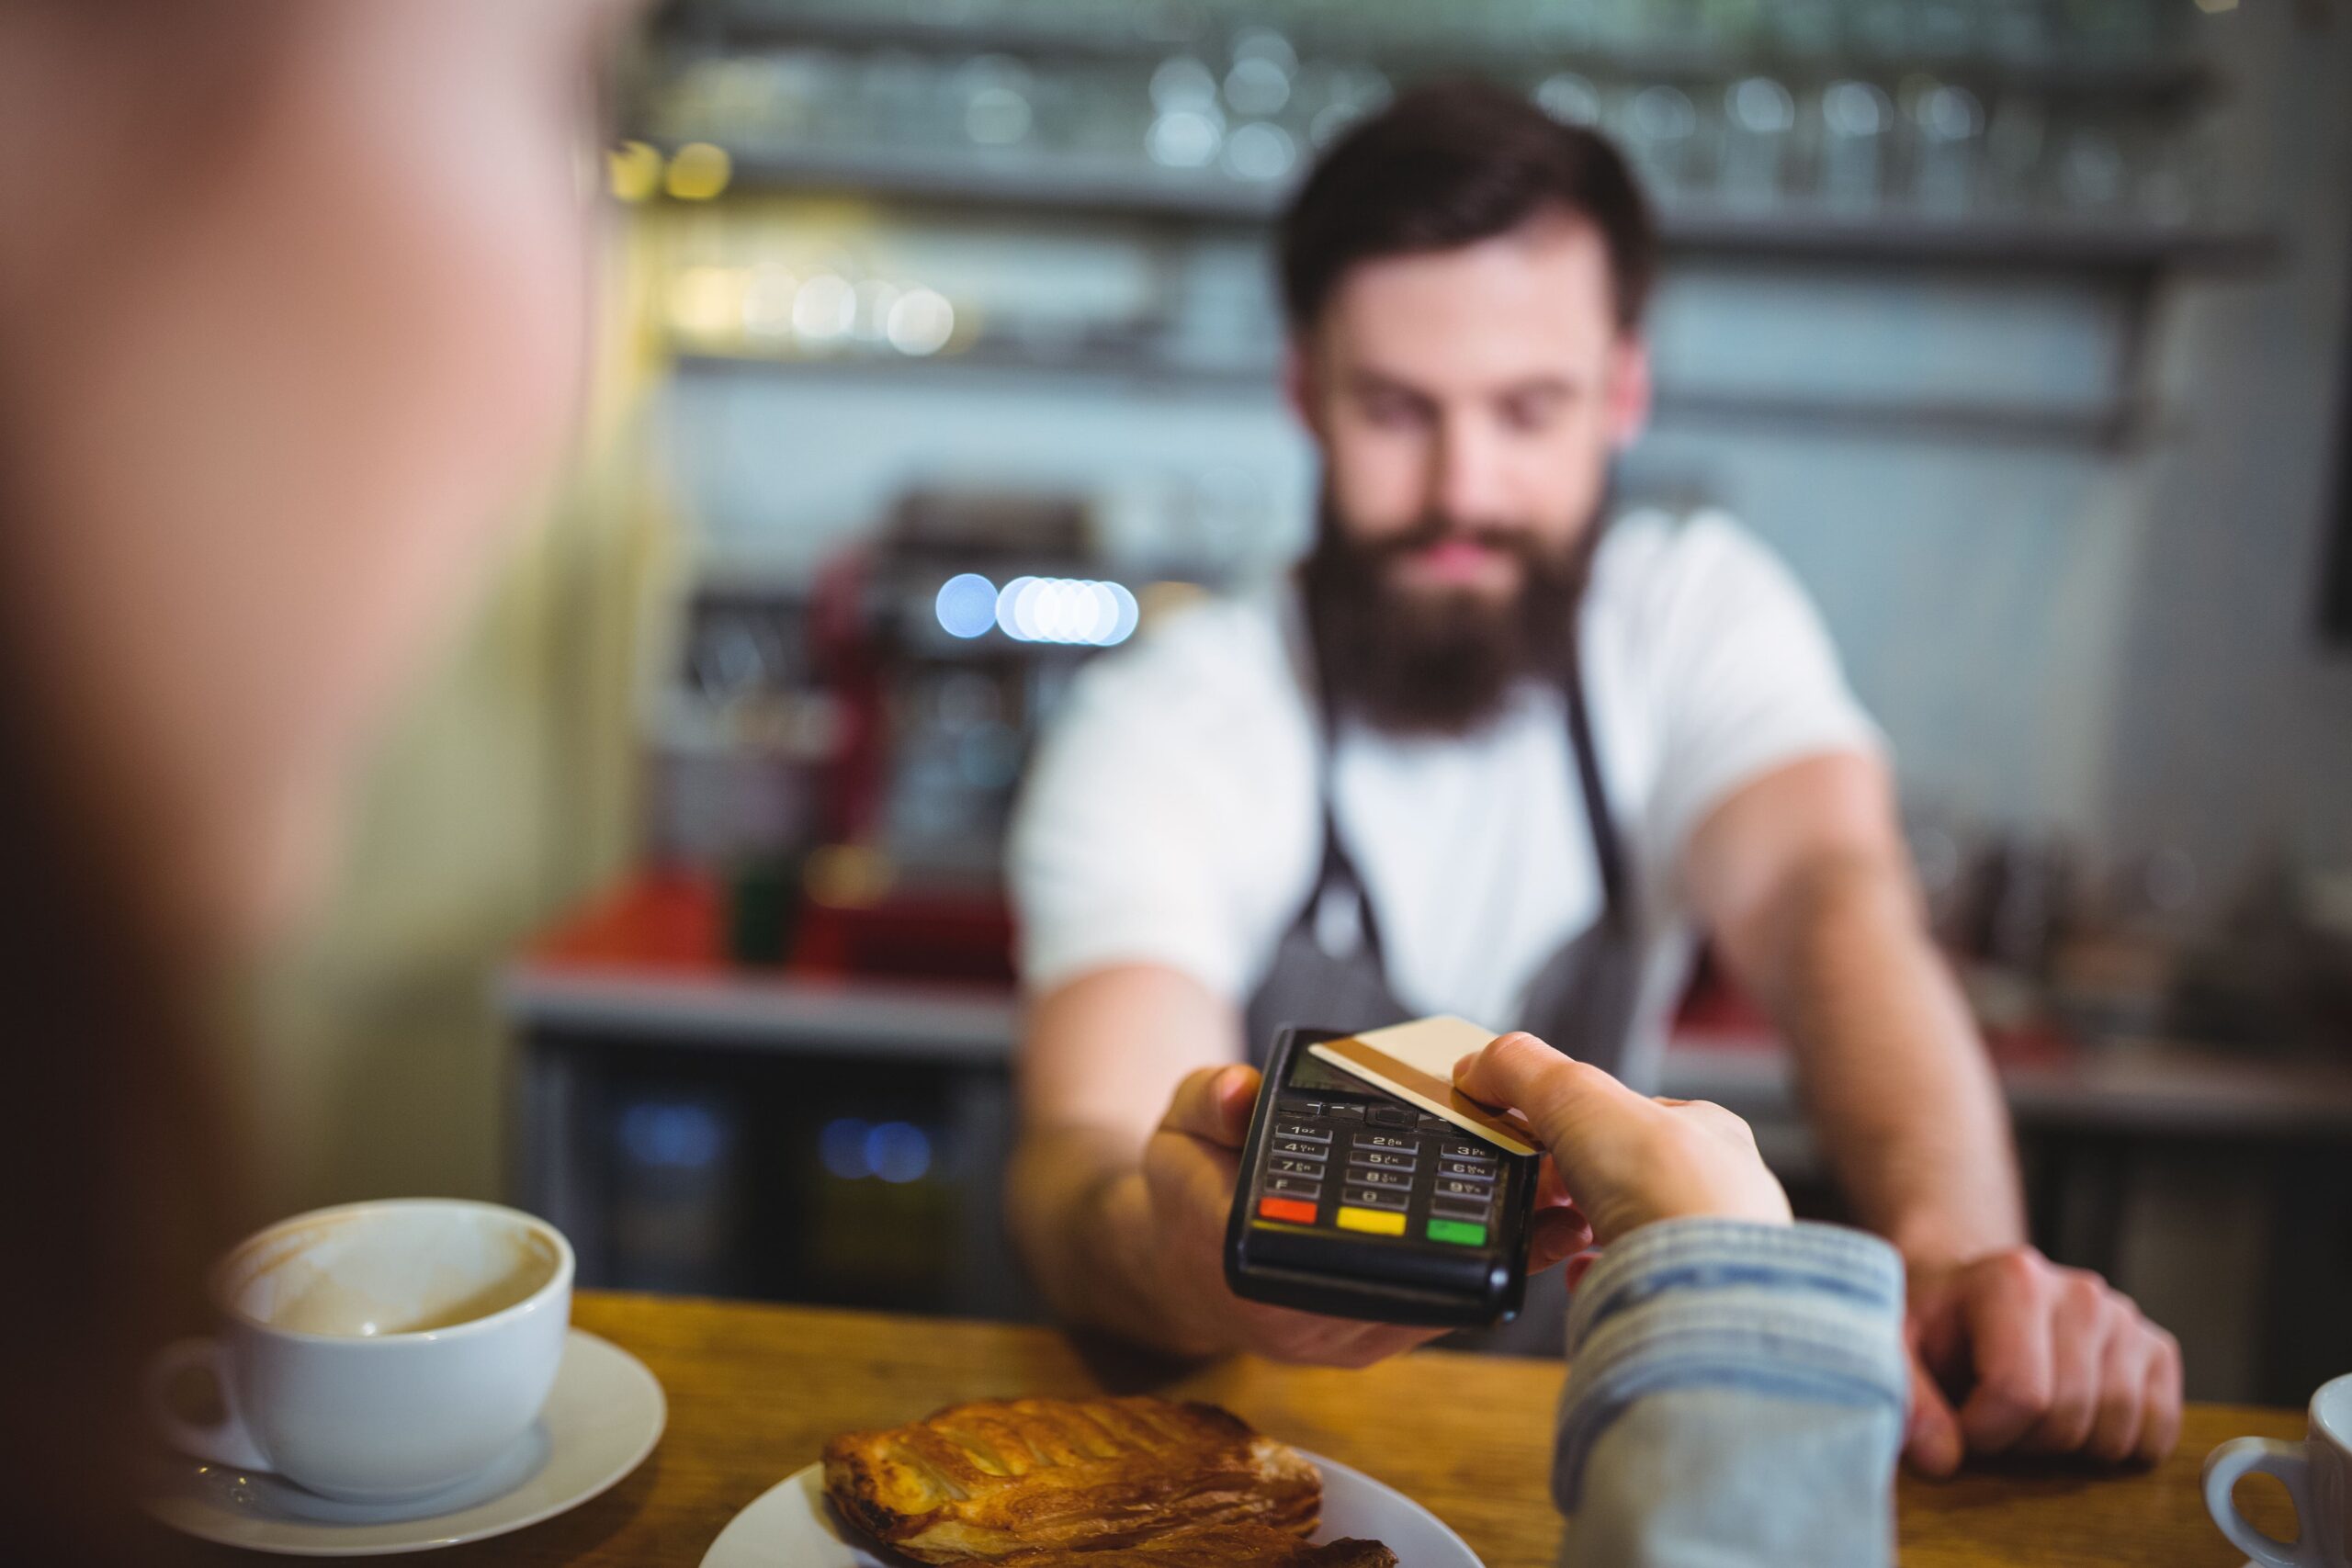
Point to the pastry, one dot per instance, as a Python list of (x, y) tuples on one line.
[(1216, 1546), (990, 1479)]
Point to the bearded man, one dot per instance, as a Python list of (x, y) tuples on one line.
[(1497, 752)]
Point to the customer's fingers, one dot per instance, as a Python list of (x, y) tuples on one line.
[(1577, 1267), (1556, 1093), (1554, 1234), (1213, 1103)]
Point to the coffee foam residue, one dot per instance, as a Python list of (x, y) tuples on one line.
[(348, 1278)]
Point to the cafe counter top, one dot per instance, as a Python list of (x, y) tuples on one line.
[(754, 1391)]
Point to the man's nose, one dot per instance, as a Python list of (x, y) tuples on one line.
[(1467, 480)]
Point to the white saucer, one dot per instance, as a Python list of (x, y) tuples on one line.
[(791, 1522), (603, 1417)]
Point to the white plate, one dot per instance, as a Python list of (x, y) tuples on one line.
[(791, 1522), (602, 1419)]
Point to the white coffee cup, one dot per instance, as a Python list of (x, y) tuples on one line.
[(2318, 1475), (378, 1352)]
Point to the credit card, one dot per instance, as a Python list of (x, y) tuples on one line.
[(1414, 1062)]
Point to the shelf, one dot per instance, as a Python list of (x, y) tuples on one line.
[(2101, 428), (2163, 83), (1108, 187)]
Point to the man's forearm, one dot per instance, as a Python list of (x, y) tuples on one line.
[(1080, 1215), (1902, 1095)]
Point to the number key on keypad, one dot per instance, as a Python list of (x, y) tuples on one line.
[(1281, 1165), (1468, 1170), (1385, 1141), (1303, 1130), (1393, 1159), (1369, 1178)]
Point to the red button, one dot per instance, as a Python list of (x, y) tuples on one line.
[(1289, 1209)]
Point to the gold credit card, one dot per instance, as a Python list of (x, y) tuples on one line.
[(1415, 1063)]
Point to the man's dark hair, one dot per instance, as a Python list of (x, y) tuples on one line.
[(1450, 165)]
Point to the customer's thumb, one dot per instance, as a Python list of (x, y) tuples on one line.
[(1556, 1093)]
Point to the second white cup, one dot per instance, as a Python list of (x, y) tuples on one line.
[(2317, 1473)]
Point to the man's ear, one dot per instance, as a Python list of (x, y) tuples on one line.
[(1629, 390), (1301, 388)]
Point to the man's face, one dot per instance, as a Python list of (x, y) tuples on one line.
[(1468, 403)]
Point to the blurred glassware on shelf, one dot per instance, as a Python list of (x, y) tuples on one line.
[(1260, 151), (1948, 126), (1258, 83), (1857, 122), (1760, 124), (1659, 130), (2093, 179), (1569, 98), (2016, 141), (996, 92)]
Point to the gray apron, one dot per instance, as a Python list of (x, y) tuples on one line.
[(1328, 972)]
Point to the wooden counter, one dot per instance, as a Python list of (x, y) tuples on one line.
[(754, 1391)]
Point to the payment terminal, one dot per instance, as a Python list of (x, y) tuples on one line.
[(1356, 1203)]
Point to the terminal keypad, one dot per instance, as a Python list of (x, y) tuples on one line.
[(1377, 1170)]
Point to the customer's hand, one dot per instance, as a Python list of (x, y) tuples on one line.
[(1627, 1160), (1190, 1168), (2014, 1354)]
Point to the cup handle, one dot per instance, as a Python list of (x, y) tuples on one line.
[(2291, 1464), (227, 1442)]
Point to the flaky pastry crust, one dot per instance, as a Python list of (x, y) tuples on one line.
[(1216, 1546), (990, 1479)]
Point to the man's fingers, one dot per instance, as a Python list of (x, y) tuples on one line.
[(2008, 1336), (1213, 1104), (2083, 1321), (1932, 1439), (2160, 1409), (2122, 1395)]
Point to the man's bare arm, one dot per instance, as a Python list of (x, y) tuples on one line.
[(1101, 1057), (1803, 880), (1803, 877)]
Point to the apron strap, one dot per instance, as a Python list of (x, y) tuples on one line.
[(1608, 848)]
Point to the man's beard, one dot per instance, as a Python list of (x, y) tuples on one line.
[(1433, 661)]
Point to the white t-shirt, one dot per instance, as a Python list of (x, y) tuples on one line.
[(1171, 815)]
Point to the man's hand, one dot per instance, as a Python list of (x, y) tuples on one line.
[(2013, 1354), (1190, 1168)]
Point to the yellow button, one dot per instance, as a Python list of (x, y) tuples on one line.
[(1374, 1219)]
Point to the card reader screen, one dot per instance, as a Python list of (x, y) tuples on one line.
[(1312, 1072)]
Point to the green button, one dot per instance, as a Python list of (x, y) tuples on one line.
[(1460, 1233)]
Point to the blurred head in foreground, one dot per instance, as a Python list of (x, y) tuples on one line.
[(292, 302), (1463, 279)]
